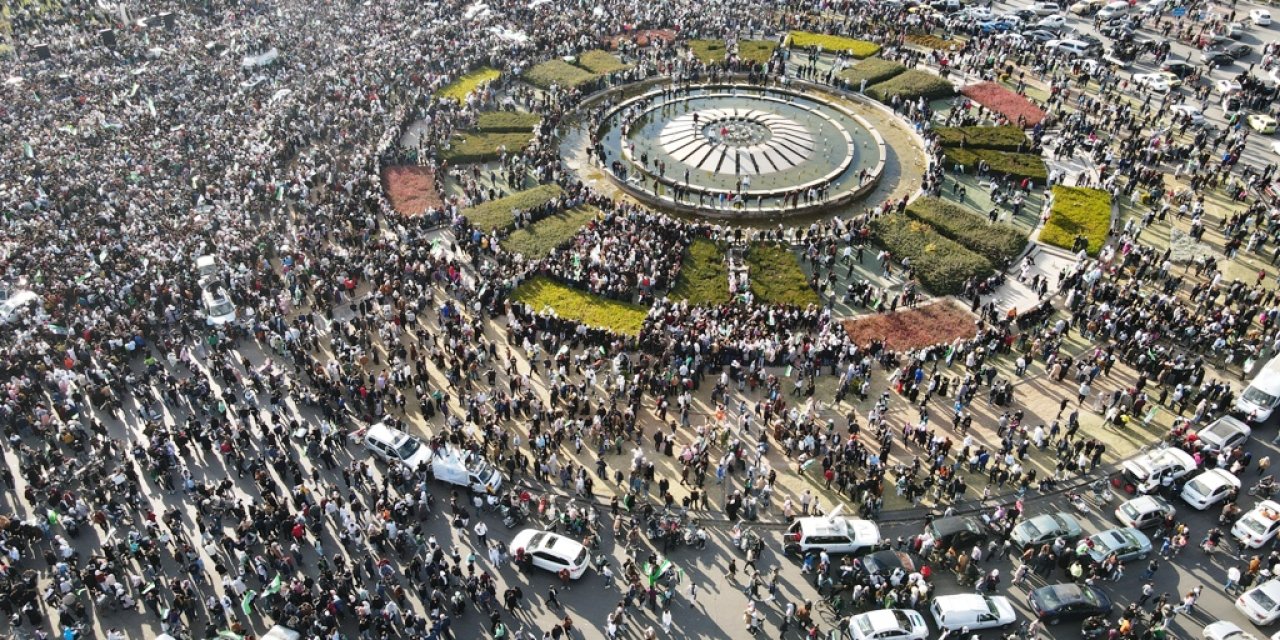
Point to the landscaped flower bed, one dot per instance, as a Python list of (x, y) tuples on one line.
[(704, 277), (543, 294), (538, 239), (708, 51), (856, 48), (929, 41), (999, 243), (776, 276), (601, 62), (559, 73), (758, 51), (939, 323), (411, 190), (940, 264), (872, 70), (506, 121), (479, 146), (1078, 211), (462, 87), (1004, 163), (497, 213), (910, 85), (1006, 102), (1005, 138)]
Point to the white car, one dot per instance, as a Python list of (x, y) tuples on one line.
[(1185, 110), (977, 13), (1210, 488), (1045, 8), (552, 551), (1073, 48), (1225, 433), (1260, 17), (1152, 8), (1158, 82), (832, 533), (888, 624), (1261, 603), (218, 308), (1227, 87), (394, 445), (1144, 512), (955, 612), (1259, 525), (1056, 21), (1223, 630), (12, 305), (1112, 10)]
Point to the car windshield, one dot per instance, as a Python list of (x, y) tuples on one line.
[(409, 447), (221, 308), (864, 625), (991, 606), (901, 619), (581, 558), (1198, 487), (1255, 525), (1131, 512), (536, 540), (1262, 599), (1258, 397), (1031, 530)]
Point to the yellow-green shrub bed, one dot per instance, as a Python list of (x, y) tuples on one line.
[(462, 87), (559, 73), (910, 85), (704, 277), (542, 293), (601, 62), (872, 70), (999, 243), (776, 276), (758, 51), (854, 47), (708, 51), (480, 146), (506, 121), (1078, 211), (497, 213), (941, 265), (538, 239)]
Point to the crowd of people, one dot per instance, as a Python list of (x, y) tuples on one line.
[(204, 474)]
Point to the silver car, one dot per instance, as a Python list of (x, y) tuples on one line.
[(1127, 543), (1044, 529)]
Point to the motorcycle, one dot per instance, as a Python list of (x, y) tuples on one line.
[(1094, 627), (513, 516), (1101, 493), (1077, 501), (696, 536), (1266, 487)]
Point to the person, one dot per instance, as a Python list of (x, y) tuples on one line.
[(666, 620), (693, 594)]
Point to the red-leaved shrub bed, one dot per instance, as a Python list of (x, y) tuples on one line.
[(937, 323), (411, 189), (1006, 102)]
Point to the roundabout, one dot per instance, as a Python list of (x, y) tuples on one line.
[(738, 150)]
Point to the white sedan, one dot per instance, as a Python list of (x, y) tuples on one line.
[(1261, 603), (1056, 21), (1260, 17), (1188, 110), (1223, 630), (898, 624), (1158, 82), (1227, 87)]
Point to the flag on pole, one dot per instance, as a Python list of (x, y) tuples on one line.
[(274, 587), (246, 603)]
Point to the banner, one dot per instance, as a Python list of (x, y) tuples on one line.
[(246, 603)]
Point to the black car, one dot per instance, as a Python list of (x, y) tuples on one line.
[(1238, 51), (1059, 602), (1217, 59), (1178, 68), (1116, 31), (886, 562), (1040, 35), (960, 532)]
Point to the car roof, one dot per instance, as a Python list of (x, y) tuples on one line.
[(1218, 477), (962, 601), (860, 530), (1263, 505), (380, 431), (883, 619)]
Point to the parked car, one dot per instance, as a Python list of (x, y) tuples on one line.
[(888, 624), (1045, 8), (1159, 82), (1072, 48), (14, 304), (1216, 59), (1260, 17), (394, 445), (1086, 7), (1209, 488), (1188, 111), (997, 26), (886, 562), (1113, 9), (1055, 21), (1144, 512), (1261, 604), (958, 611), (1259, 525), (1239, 50), (1148, 472), (1223, 434), (1127, 543), (1262, 123), (552, 551), (1058, 602), (1045, 528), (218, 308), (1154, 7), (961, 532), (832, 533), (1179, 68), (1040, 35), (1223, 630)]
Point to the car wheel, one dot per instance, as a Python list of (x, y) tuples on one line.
[(1142, 557), (791, 550), (1053, 621)]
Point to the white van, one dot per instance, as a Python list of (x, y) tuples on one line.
[(1113, 9), (1146, 473), (955, 612), (465, 469), (395, 445), (832, 533), (1261, 396)]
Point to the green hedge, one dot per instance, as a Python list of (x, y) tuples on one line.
[(542, 293), (1014, 165), (776, 276), (872, 70), (911, 84), (708, 51), (941, 265), (559, 73), (856, 48), (462, 87), (506, 121), (999, 243), (998, 138), (538, 239), (601, 62), (480, 146), (704, 276), (497, 213), (1078, 211), (758, 51)]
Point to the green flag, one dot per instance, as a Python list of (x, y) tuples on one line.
[(246, 603), (274, 587)]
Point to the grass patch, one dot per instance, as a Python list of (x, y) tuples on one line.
[(704, 276), (497, 213), (480, 146), (910, 85), (601, 62), (558, 73), (776, 276), (1014, 165), (1003, 138), (854, 47), (539, 238), (1078, 211), (462, 87), (542, 293), (506, 121), (872, 70), (940, 264), (708, 51), (999, 243), (757, 51)]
